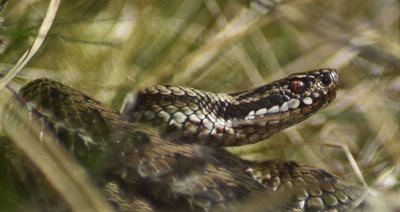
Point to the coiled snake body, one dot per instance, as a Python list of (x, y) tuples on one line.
[(182, 167)]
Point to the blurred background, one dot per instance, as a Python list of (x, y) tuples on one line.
[(110, 48)]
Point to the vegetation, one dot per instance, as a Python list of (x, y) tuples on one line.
[(110, 48)]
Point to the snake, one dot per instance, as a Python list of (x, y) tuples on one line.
[(164, 150)]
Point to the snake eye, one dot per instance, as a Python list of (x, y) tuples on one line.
[(326, 79), (297, 86)]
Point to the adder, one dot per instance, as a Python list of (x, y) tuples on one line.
[(164, 150)]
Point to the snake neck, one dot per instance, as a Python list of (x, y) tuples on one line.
[(221, 119)]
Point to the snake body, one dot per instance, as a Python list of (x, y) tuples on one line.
[(221, 119), (142, 169)]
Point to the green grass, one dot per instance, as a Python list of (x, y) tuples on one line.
[(108, 48)]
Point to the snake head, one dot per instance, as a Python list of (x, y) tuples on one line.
[(268, 109), (314, 88)]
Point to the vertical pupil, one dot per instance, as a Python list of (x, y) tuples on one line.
[(297, 86)]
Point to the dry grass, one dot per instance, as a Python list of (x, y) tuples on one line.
[(108, 49)]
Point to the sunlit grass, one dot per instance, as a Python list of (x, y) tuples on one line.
[(110, 48)]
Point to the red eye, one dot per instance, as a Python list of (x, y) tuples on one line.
[(297, 86)]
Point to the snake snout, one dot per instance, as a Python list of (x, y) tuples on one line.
[(335, 75), (329, 77)]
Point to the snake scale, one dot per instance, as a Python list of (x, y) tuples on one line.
[(180, 165)]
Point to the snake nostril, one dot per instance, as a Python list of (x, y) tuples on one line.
[(327, 79), (297, 86)]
